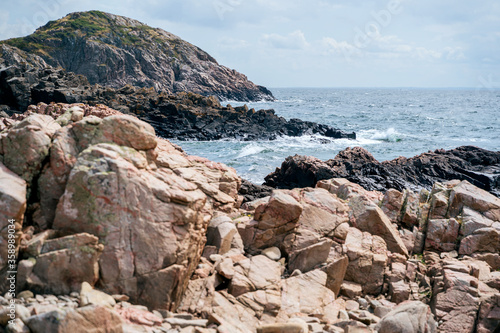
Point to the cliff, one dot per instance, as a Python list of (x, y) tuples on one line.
[(113, 51), (26, 79)]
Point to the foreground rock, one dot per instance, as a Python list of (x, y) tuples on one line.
[(27, 79), (114, 179), (116, 50), (478, 166)]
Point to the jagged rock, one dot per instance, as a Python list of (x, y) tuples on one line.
[(442, 235), (408, 317), (478, 166), (367, 260), (167, 253), (489, 315), (368, 217)]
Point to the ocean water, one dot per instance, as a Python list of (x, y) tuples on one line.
[(388, 122)]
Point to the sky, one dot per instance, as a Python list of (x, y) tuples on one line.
[(315, 43)]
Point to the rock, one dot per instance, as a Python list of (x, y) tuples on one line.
[(184, 322), (466, 194), (442, 235), (489, 315), (368, 217), (336, 271), (351, 290), (256, 273), (399, 291), (272, 253), (33, 137), (13, 311), (17, 327), (220, 233), (457, 309), (87, 319), (476, 165), (64, 264), (290, 327), (13, 206), (392, 204), (408, 317), (481, 240), (367, 260), (95, 297), (166, 234), (308, 295), (307, 258), (138, 315), (225, 268)]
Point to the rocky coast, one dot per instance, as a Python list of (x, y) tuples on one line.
[(26, 79), (118, 230)]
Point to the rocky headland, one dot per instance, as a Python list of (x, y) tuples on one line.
[(27, 79), (118, 230), (114, 51)]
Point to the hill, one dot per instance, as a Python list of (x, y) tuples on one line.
[(113, 51)]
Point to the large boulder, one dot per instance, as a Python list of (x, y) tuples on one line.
[(151, 221), (32, 137), (408, 317)]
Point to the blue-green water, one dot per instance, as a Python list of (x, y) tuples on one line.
[(388, 122)]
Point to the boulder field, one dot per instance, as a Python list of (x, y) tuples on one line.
[(117, 230)]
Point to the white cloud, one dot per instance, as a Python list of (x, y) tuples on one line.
[(293, 41)]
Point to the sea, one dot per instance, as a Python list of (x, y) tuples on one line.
[(389, 122)]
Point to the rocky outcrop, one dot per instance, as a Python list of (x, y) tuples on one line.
[(26, 79), (478, 166), (113, 207), (120, 194), (115, 51)]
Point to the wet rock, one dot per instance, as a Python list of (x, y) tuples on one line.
[(478, 166)]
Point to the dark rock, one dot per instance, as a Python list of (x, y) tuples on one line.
[(112, 50), (251, 191), (27, 79), (478, 166)]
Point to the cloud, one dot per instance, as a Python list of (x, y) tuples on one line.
[(293, 41)]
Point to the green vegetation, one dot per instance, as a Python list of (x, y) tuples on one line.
[(92, 25)]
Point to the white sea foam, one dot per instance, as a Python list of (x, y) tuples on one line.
[(389, 135)]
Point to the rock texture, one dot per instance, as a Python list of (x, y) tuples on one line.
[(120, 231), (114, 51), (478, 166), (27, 79)]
